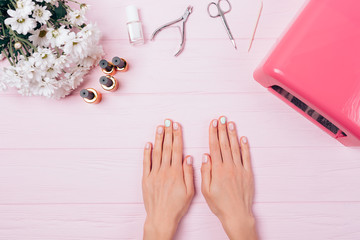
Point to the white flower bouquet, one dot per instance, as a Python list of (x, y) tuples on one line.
[(48, 44)]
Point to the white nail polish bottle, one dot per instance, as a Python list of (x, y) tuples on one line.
[(134, 26)]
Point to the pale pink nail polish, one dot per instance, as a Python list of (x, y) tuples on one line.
[(244, 140), (215, 123), (147, 146), (231, 126), (205, 158), (160, 130), (189, 160), (175, 126)]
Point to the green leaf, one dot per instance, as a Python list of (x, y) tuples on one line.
[(4, 2), (60, 11)]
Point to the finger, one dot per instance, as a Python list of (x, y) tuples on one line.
[(177, 154), (147, 160), (224, 141), (234, 144), (189, 175), (157, 152), (167, 145), (205, 174), (245, 154), (214, 144)]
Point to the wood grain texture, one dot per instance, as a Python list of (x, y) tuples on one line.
[(69, 170), (278, 221), (114, 175)]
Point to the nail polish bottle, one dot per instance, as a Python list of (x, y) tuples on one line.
[(109, 83), (107, 67), (120, 64), (134, 26), (90, 95)]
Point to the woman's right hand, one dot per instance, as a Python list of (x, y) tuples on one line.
[(227, 180)]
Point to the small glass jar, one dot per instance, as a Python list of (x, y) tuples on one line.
[(134, 26)]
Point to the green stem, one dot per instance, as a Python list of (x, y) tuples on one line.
[(74, 1), (7, 56), (11, 51), (3, 29)]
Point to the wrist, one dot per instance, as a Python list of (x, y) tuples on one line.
[(240, 229), (159, 230)]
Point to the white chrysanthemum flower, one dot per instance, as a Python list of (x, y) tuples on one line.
[(41, 14), (46, 87), (19, 23), (94, 56), (57, 37), (44, 58), (91, 32), (38, 38), (60, 61), (63, 61), (75, 47), (2, 57), (25, 7), (77, 17)]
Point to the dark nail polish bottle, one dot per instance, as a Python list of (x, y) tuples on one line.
[(109, 83), (90, 95), (107, 68), (120, 64)]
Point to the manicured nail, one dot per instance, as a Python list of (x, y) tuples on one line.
[(214, 123), (160, 130), (244, 140), (205, 158), (189, 160), (167, 123), (223, 120), (175, 126), (147, 146), (231, 126)]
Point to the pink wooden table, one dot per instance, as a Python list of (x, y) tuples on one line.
[(70, 170)]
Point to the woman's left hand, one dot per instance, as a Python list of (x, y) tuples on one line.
[(168, 182)]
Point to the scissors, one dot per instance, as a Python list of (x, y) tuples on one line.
[(221, 13)]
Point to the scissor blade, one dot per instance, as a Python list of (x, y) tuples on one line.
[(233, 42), (222, 16)]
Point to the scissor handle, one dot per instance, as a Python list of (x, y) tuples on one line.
[(209, 12), (220, 11)]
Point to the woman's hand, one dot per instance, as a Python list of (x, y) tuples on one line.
[(168, 182), (227, 180)]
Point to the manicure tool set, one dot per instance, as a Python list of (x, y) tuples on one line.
[(219, 12)]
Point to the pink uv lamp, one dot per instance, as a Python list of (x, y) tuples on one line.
[(315, 67)]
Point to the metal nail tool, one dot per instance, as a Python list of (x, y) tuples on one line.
[(183, 19), (221, 13)]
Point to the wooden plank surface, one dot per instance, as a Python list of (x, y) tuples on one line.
[(69, 170), (277, 221), (114, 175)]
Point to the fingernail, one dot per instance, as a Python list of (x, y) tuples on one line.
[(244, 140), (223, 120), (189, 160), (175, 126), (167, 123), (215, 123), (147, 146), (231, 126), (205, 158), (160, 130)]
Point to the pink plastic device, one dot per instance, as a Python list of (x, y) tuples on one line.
[(315, 67)]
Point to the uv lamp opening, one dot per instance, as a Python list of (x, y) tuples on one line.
[(309, 111)]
